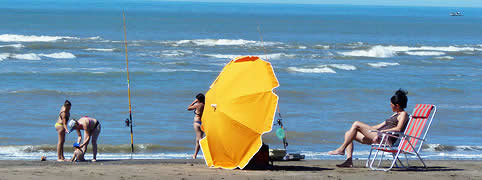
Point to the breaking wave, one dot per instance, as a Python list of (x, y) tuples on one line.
[(268, 56), (36, 57), (382, 64), (18, 46), (221, 42), (32, 38), (376, 52), (29, 56), (61, 55), (99, 49), (425, 53), (380, 51), (444, 58), (343, 66), (176, 53), (321, 69), (143, 151)]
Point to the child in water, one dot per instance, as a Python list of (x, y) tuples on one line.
[(78, 153)]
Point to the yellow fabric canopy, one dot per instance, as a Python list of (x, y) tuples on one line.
[(240, 107)]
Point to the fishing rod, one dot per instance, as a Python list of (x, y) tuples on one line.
[(281, 132), (128, 121)]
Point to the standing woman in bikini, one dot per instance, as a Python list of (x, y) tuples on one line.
[(198, 106), (61, 127), (91, 129)]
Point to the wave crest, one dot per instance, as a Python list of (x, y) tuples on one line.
[(382, 64), (321, 69), (376, 52), (31, 38)]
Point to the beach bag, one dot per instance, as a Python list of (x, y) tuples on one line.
[(260, 160)]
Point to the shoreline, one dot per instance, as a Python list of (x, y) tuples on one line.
[(197, 169)]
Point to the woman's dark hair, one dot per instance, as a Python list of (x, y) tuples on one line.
[(200, 97), (67, 103), (400, 98)]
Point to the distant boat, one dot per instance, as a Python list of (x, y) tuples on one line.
[(456, 14)]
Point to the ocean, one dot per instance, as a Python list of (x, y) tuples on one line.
[(336, 64)]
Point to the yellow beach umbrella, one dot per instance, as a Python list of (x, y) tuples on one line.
[(240, 107)]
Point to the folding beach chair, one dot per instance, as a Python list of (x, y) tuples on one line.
[(408, 143)]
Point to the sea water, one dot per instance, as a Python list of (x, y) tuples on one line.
[(336, 64)]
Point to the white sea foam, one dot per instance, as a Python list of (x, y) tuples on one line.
[(223, 56), (343, 66), (262, 56), (32, 38), (33, 152), (425, 53), (322, 46), (29, 56), (444, 58), (60, 55), (380, 51), (302, 47), (4, 56), (99, 49), (95, 38), (174, 53), (222, 42), (183, 70), (33, 56), (217, 42), (18, 46), (382, 64), (321, 69), (376, 52)]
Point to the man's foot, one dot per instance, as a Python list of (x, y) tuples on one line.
[(94, 160), (335, 152), (347, 164)]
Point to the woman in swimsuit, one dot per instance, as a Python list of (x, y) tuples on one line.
[(91, 128), (198, 106), (61, 127), (364, 134)]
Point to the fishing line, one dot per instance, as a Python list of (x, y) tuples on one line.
[(281, 132)]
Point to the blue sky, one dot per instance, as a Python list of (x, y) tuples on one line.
[(441, 3)]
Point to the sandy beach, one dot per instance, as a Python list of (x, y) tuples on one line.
[(196, 169)]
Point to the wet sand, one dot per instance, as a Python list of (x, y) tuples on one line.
[(196, 169)]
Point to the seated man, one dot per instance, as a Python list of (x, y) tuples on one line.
[(78, 153)]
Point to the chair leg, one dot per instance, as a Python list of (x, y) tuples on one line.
[(373, 160), (394, 161), (424, 165), (398, 159), (369, 155)]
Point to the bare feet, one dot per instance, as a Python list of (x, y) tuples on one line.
[(347, 164), (94, 160), (335, 152), (60, 160), (193, 156)]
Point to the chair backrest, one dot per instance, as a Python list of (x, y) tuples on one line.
[(418, 126)]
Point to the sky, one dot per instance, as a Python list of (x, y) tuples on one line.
[(440, 3)]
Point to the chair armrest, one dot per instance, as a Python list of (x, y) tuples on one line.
[(412, 137), (389, 133)]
